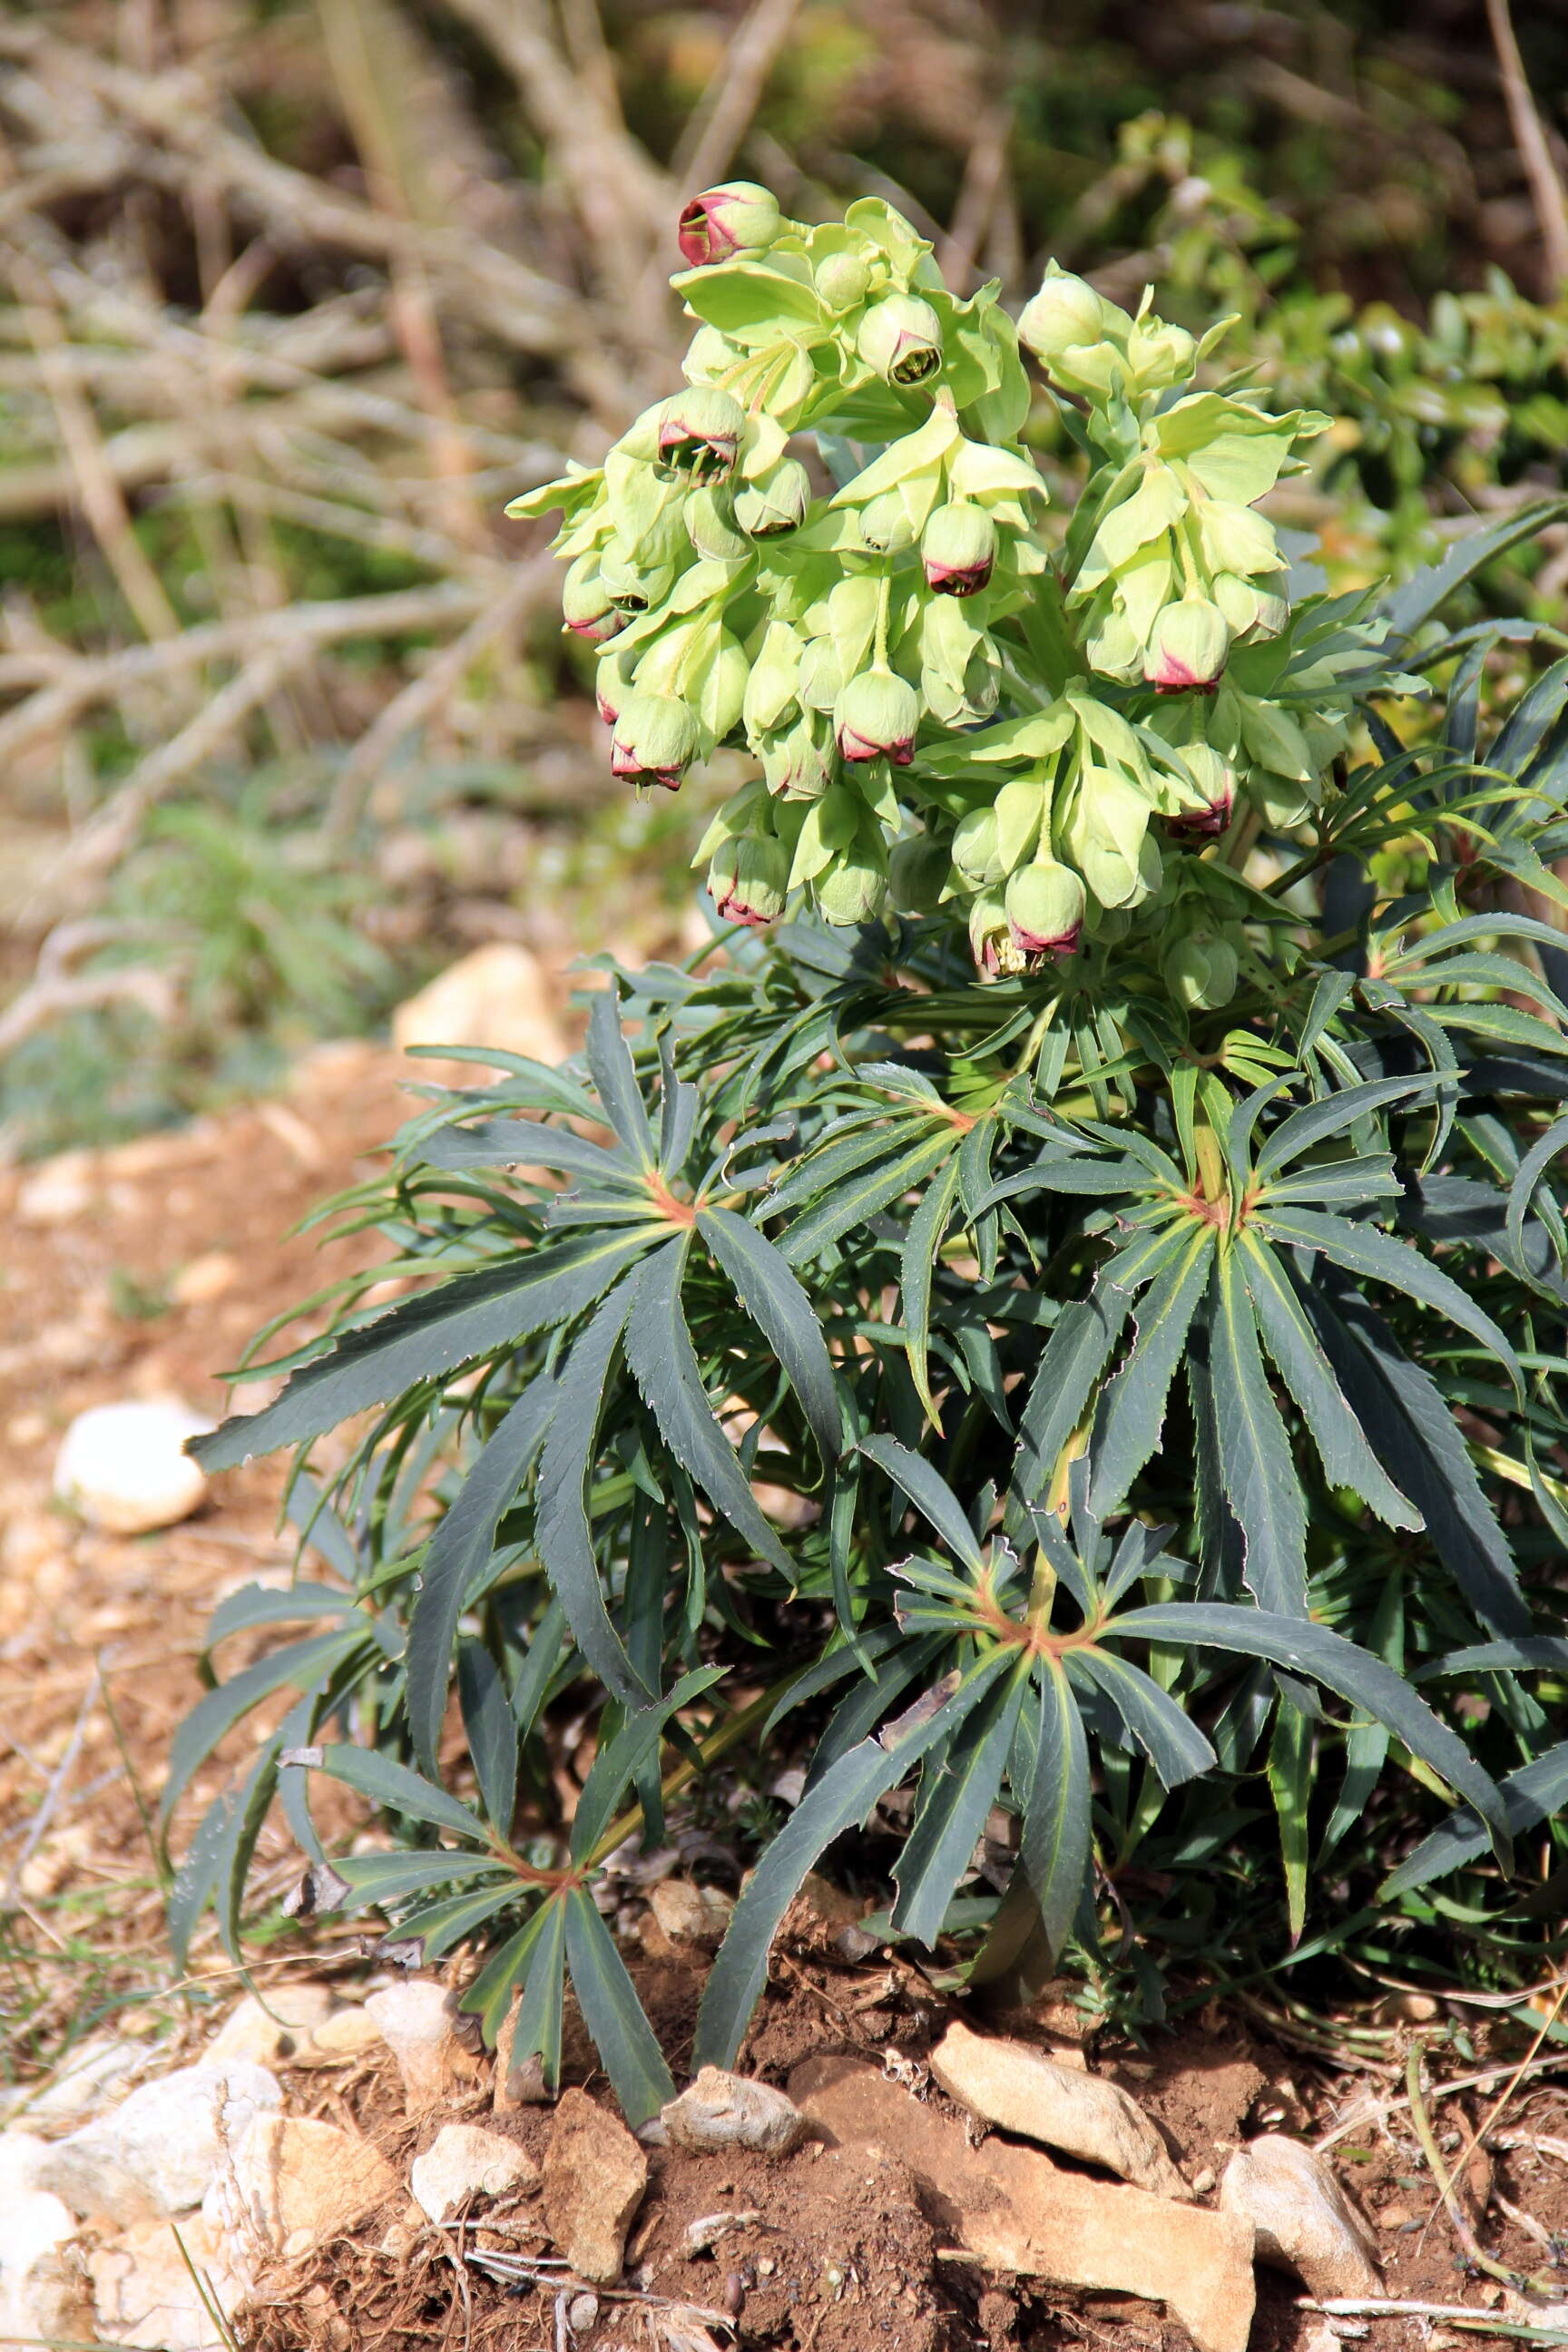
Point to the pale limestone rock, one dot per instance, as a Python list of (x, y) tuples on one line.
[(86, 2079), (269, 2027), (43, 2287), (1018, 2089), (721, 2110), (347, 2034), (1303, 2218), (156, 2154), (497, 995), (463, 2158), (417, 2021), (204, 1279), (594, 2176), (1015, 2210), (691, 1916), (292, 2183), (145, 2294), (58, 1189), (122, 1466)]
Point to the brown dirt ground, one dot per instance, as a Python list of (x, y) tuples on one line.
[(840, 2256)]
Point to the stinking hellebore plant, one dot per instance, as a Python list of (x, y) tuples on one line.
[(1063, 1331)]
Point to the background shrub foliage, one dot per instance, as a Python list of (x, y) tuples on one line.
[(1116, 1211)]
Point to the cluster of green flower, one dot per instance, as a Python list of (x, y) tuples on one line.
[(941, 709)]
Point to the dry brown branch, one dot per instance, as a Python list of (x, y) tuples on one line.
[(1546, 190), (422, 696), (99, 492), (611, 182), (52, 992), (984, 176), (524, 308), (708, 145), (95, 678)]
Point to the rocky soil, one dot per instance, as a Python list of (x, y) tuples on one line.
[(318, 2158)]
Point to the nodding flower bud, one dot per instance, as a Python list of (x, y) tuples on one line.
[(843, 280), (885, 525), (854, 887), (736, 217), (655, 739), (776, 503), (1188, 649), (587, 605), (901, 339), (1201, 972), (1064, 315), (1217, 784), (1044, 905), (699, 431), (977, 847), (796, 766), (958, 549), (875, 717), (749, 880)]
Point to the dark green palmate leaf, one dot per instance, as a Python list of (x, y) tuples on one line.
[(1344, 1668), (467, 1317)]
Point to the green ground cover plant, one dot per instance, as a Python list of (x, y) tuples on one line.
[(1061, 1310)]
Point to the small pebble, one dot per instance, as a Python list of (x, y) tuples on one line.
[(1203, 2181), (580, 2312), (734, 2295)]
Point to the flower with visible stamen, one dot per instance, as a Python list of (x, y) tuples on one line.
[(700, 433), (776, 503), (958, 549), (900, 338)]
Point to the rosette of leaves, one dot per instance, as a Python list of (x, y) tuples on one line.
[(1122, 1390)]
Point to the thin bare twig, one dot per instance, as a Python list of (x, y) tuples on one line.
[(1546, 189), (58, 1780), (708, 143), (425, 694)]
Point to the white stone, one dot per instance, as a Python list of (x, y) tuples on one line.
[(347, 2034), (122, 1468), (497, 995), (155, 2155), (145, 2294), (270, 2026), (86, 2081), (42, 2288), (691, 1914), (463, 2158), (58, 1189), (418, 2025)]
